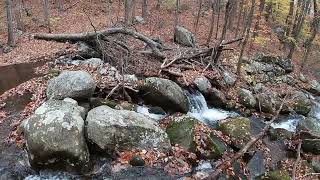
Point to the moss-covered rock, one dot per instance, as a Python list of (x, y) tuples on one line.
[(265, 102), (309, 124), (184, 130), (238, 129), (311, 145), (181, 130), (279, 133), (277, 175)]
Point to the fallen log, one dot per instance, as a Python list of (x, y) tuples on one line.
[(89, 36)]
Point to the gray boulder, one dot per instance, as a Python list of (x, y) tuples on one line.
[(85, 51), (184, 37), (93, 63), (309, 124), (126, 130), (203, 84), (73, 84), (247, 99), (54, 134), (164, 93), (229, 78), (217, 98), (302, 103)]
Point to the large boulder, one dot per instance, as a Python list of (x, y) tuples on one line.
[(184, 37), (247, 99), (309, 124), (55, 135), (126, 130), (216, 98), (164, 93), (238, 129), (73, 84)]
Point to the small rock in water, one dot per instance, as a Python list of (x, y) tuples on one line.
[(136, 161)]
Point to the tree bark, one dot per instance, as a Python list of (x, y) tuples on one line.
[(289, 18), (46, 14), (239, 17), (211, 25), (158, 4), (19, 18), (145, 10), (127, 12), (10, 23), (314, 30), (247, 34), (218, 19), (59, 5), (198, 18)]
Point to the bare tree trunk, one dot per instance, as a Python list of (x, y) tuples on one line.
[(233, 13), (46, 14), (133, 10), (10, 23), (109, 8), (59, 5), (314, 28), (289, 18), (177, 19), (127, 12), (211, 25), (256, 26), (145, 10), (299, 21), (245, 41), (239, 18), (218, 19), (158, 4), (226, 20), (19, 19), (198, 17)]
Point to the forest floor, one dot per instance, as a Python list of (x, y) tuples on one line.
[(78, 14)]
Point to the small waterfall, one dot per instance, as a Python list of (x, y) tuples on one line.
[(199, 109)]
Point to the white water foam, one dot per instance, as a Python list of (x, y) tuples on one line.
[(289, 125), (145, 111), (199, 109)]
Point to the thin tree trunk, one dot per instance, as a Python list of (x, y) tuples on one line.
[(289, 18), (218, 19), (46, 14), (198, 17), (299, 21), (109, 16), (127, 12), (9, 23), (314, 28), (256, 26), (233, 13), (133, 10), (226, 20), (211, 25), (158, 4), (245, 41), (145, 10), (19, 19), (239, 18), (59, 5), (177, 19)]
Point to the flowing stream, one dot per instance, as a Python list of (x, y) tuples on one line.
[(198, 108)]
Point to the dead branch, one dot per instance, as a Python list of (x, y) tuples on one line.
[(113, 90), (297, 162), (222, 165), (88, 36)]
